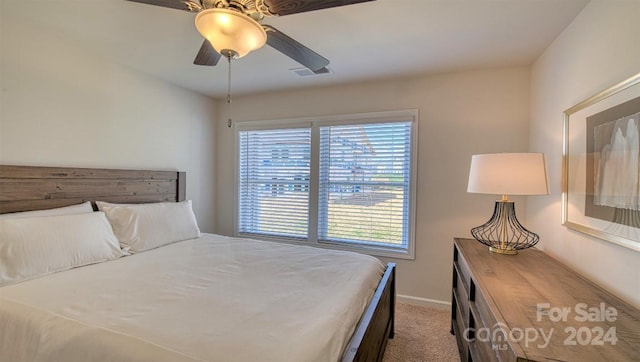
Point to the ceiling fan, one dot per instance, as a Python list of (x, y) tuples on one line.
[(234, 27)]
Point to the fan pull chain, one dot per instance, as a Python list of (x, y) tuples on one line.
[(229, 91)]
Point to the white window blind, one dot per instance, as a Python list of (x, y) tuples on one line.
[(365, 183), (273, 195), (340, 181)]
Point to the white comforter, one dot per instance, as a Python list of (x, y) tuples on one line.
[(209, 299)]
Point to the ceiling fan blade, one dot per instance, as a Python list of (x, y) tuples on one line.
[(294, 50), (286, 7), (173, 4), (207, 55)]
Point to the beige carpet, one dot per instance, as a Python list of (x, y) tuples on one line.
[(422, 334)]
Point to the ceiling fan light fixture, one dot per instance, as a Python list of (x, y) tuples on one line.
[(230, 32)]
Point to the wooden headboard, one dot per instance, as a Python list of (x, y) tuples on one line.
[(25, 188)]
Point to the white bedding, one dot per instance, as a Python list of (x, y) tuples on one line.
[(208, 299)]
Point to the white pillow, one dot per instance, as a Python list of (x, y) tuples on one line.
[(66, 210), (36, 246), (101, 204), (141, 227)]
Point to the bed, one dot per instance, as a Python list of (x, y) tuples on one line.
[(175, 293)]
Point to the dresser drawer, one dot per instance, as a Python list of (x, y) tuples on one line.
[(482, 312), (462, 268), (460, 330), (480, 348), (462, 297), (493, 339)]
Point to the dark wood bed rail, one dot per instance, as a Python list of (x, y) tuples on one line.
[(376, 325), (25, 188)]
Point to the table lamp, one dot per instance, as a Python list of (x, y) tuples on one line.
[(507, 174)]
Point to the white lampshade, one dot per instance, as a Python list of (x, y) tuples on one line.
[(229, 30), (508, 174)]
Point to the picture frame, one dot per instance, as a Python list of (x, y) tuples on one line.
[(601, 165)]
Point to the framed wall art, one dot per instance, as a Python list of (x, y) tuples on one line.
[(601, 165)]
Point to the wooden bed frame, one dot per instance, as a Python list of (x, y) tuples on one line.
[(26, 188)]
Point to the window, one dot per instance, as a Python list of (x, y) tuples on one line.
[(345, 181), (274, 182)]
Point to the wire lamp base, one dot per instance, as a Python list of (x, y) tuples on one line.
[(503, 233)]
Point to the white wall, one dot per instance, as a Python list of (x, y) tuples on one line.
[(61, 106), (600, 48), (460, 114)]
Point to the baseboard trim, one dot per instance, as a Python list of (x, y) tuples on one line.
[(423, 302)]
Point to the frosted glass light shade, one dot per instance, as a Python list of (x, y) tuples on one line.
[(508, 174), (229, 30)]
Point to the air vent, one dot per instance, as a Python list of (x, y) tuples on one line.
[(305, 72)]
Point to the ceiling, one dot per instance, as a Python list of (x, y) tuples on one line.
[(372, 40)]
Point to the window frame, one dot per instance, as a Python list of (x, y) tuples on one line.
[(314, 123)]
